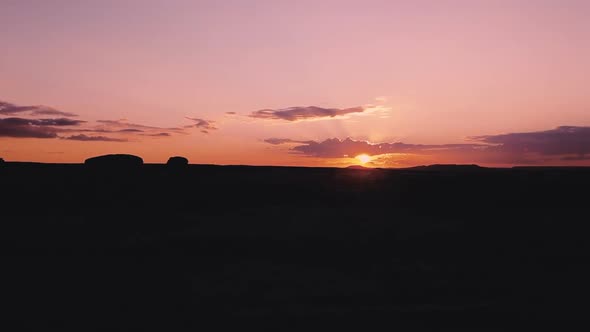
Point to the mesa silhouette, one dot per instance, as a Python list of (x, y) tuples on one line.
[(177, 161), (115, 160)]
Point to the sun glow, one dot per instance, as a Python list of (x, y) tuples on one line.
[(363, 158)]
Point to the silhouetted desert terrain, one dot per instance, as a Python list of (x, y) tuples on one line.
[(157, 247)]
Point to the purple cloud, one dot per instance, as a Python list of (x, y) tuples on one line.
[(304, 113), (566, 143), (564, 140), (34, 128), (28, 125), (130, 130), (11, 128), (85, 138), (128, 126), (34, 110), (204, 125), (159, 135), (278, 141), (335, 148), (41, 122)]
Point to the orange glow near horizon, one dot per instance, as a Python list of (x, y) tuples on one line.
[(363, 158)]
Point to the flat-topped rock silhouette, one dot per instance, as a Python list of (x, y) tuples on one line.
[(1, 161), (115, 160), (177, 161)]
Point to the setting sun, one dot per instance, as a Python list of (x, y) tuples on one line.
[(363, 158)]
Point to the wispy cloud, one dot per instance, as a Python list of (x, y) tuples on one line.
[(204, 125), (278, 141), (85, 138), (300, 113), (159, 135), (28, 124), (565, 140), (33, 110), (130, 130), (34, 128), (129, 126)]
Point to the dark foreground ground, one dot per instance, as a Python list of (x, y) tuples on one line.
[(155, 248)]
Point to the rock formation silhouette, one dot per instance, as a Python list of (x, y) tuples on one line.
[(177, 161), (115, 160)]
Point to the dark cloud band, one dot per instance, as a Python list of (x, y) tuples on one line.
[(566, 143), (34, 128)]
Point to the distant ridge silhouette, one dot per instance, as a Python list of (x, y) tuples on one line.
[(115, 160), (1, 161), (177, 161), (360, 167), (447, 167)]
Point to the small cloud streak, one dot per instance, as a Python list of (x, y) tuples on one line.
[(204, 125), (51, 122), (128, 128), (300, 113), (278, 141), (132, 127), (85, 138), (159, 135)]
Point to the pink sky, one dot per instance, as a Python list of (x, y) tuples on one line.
[(422, 72)]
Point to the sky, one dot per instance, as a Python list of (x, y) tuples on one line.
[(310, 83)]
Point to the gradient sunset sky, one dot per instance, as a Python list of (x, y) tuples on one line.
[(314, 83)]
